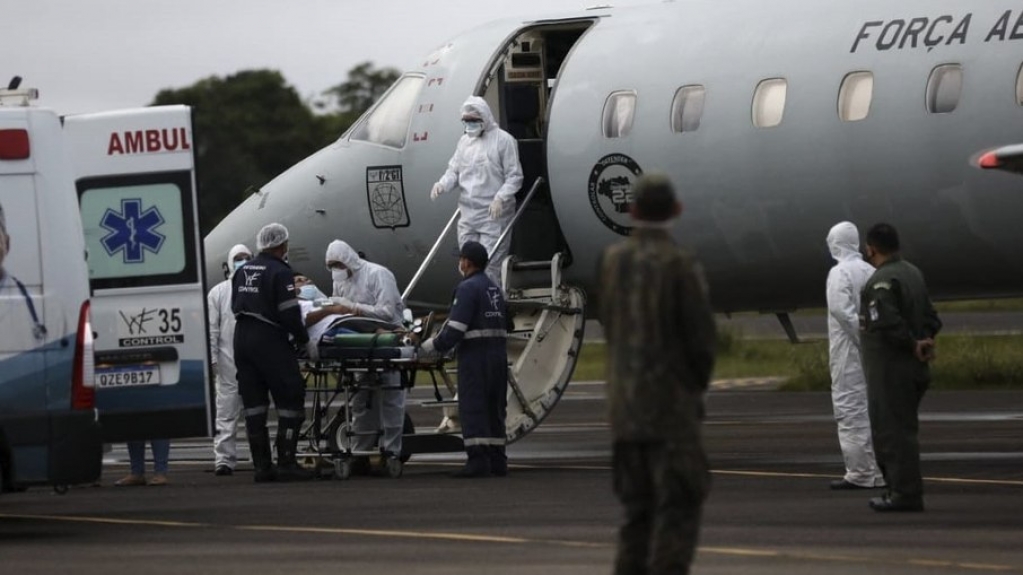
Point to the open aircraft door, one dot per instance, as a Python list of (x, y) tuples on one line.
[(135, 177)]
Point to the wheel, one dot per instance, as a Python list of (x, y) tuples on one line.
[(342, 469), (338, 440)]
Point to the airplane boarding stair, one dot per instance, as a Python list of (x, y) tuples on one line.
[(544, 341)]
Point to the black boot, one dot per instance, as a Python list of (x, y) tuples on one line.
[(259, 446), (498, 460), (478, 464), (288, 468)]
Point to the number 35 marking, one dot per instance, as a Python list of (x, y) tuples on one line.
[(170, 320)]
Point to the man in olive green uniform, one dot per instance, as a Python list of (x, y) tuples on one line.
[(899, 325), (661, 339)]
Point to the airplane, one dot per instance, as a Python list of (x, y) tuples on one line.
[(775, 120)]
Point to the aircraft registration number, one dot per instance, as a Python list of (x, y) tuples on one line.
[(127, 375)]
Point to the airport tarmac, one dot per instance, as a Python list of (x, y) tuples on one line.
[(770, 511)]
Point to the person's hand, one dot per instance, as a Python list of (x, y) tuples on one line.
[(312, 350), (496, 208), (924, 351), (437, 190)]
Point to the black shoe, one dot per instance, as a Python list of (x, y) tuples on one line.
[(842, 484), (498, 461), (896, 503), (265, 474), (294, 472), (223, 470), (471, 471)]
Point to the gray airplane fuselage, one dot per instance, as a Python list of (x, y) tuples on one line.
[(758, 201)]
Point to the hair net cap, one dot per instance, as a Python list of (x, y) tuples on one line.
[(271, 236)]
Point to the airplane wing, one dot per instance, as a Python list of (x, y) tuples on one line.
[(1008, 158)]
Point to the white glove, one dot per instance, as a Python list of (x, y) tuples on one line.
[(497, 208), (437, 190), (313, 350)]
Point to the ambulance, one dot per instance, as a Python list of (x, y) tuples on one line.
[(103, 333)]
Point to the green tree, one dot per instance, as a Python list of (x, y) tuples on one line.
[(248, 127)]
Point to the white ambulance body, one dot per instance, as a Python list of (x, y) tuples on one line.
[(134, 175), (49, 433), (102, 205)]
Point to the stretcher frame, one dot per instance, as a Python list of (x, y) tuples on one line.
[(333, 382)]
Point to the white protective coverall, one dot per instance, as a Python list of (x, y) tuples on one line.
[(229, 402), (848, 384), (484, 168), (373, 292)]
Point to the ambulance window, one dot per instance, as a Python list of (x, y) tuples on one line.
[(944, 88), (387, 123), (139, 229), (687, 109), (769, 102), (1019, 86), (619, 114), (855, 95)]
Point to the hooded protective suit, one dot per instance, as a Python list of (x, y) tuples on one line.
[(848, 385), (229, 403), (486, 170), (372, 291)]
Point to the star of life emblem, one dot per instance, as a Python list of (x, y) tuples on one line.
[(132, 231)]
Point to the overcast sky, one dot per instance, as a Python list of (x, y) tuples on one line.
[(95, 55)]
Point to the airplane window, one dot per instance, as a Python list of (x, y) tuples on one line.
[(1019, 86), (619, 113), (687, 108), (855, 95), (944, 88), (769, 102), (387, 124)]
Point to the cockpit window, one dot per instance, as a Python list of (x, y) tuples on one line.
[(387, 124)]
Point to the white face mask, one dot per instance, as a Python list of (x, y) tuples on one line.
[(473, 128), (340, 276)]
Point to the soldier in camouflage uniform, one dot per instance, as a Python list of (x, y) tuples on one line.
[(899, 325), (661, 338)]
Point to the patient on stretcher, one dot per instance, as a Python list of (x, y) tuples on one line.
[(326, 318)]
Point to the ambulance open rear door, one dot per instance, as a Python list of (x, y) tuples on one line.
[(135, 177)]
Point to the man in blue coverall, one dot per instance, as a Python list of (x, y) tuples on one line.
[(477, 321), (266, 308)]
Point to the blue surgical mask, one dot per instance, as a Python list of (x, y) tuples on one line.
[(310, 292), (473, 127), (239, 263)]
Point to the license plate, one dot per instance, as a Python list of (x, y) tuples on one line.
[(127, 375)]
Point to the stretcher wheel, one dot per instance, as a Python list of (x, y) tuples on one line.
[(342, 468)]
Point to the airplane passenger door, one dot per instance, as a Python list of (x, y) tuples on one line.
[(135, 178)]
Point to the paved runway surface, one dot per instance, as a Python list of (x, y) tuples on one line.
[(770, 511)]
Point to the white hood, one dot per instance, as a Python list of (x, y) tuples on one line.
[(238, 249), (475, 104), (844, 242), (339, 251)]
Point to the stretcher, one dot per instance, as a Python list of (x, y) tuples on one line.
[(355, 354)]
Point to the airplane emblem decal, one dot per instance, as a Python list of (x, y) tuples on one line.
[(610, 189), (132, 231)]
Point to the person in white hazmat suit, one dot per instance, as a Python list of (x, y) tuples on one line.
[(848, 384), (485, 169), (229, 403), (369, 290)]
